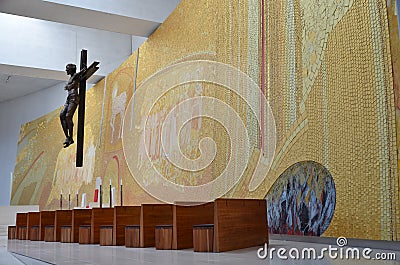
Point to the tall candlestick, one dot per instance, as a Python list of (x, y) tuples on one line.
[(69, 201), (61, 200), (77, 199)]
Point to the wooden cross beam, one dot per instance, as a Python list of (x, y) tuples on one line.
[(86, 72)]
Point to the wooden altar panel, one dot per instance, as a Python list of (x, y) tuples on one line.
[(184, 217), (123, 216), (239, 223), (62, 217), (152, 215), (46, 218), (100, 216), (33, 219), (21, 221), (80, 217)]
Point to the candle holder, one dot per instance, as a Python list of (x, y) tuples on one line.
[(69, 201), (61, 201), (77, 200)]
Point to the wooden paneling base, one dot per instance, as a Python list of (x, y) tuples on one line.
[(66, 234), (49, 233), (132, 236), (84, 234), (163, 237), (12, 232), (34, 233), (203, 238), (106, 235)]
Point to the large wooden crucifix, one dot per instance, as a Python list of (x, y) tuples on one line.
[(75, 99), (81, 110)]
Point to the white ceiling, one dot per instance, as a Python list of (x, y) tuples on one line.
[(16, 86), (40, 37)]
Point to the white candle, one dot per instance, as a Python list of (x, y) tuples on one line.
[(69, 191), (61, 192), (110, 182), (112, 197), (83, 201), (121, 182)]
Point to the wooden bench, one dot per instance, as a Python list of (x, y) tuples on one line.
[(184, 217), (33, 222), (239, 223), (47, 220), (150, 216), (124, 216), (132, 236), (163, 237), (12, 232), (62, 218), (79, 217), (106, 235), (203, 238), (100, 217), (66, 234), (49, 233), (84, 234), (21, 223), (23, 233), (34, 233)]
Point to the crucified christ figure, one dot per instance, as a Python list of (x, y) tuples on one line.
[(67, 113)]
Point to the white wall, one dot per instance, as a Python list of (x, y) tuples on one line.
[(8, 214)]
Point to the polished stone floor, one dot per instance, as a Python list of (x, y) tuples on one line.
[(5, 257), (67, 254)]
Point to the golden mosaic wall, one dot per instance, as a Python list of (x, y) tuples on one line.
[(393, 7), (344, 114), (325, 69)]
